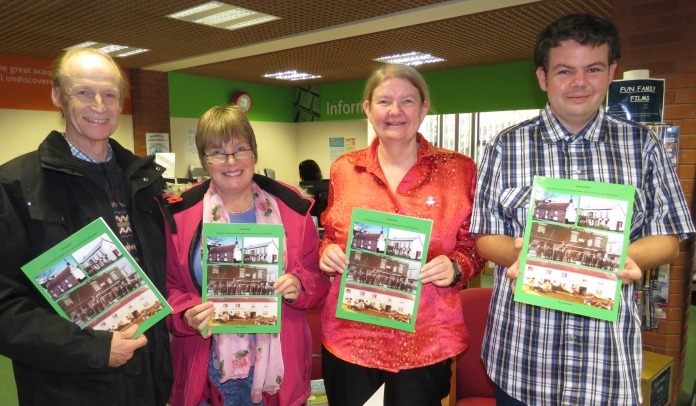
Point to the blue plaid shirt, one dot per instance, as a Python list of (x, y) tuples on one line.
[(81, 155), (546, 357)]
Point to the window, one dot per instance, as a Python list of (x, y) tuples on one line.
[(469, 133)]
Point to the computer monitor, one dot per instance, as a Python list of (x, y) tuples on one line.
[(319, 189)]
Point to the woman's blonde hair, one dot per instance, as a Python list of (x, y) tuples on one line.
[(396, 71)]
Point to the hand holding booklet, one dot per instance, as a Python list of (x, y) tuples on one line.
[(381, 283), (575, 240), (92, 280)]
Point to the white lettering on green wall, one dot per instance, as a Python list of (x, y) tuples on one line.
[(343, 108)]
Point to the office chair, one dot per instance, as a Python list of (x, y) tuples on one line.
[(473, 386)]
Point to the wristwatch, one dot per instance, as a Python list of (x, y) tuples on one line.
[(457, 273)]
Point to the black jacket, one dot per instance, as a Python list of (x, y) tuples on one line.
[(45, 197)]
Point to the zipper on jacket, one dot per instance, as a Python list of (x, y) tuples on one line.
[(196, 240)]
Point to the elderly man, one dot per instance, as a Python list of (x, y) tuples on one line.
[(74, 178)]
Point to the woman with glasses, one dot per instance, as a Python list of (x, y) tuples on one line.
[(232, 369)]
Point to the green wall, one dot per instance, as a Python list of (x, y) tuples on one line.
[(190, 96), (507, 86)]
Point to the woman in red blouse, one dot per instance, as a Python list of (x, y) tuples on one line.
[(400, 172)]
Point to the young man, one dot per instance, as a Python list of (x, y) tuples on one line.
[(539, 356)]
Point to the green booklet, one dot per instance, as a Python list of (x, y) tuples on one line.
[(317, 395), (91, 279), (575, 241), (241, 262), (380, 285)]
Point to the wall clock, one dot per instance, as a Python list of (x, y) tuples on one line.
[(243, 100)]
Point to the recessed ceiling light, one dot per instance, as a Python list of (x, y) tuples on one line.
[(82, 45), (410, 58), (291, 75), (225, 16), (251, 22), (218, 15), (196, 10), (133, 52), (111, 48)]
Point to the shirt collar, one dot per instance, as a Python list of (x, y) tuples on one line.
[(368, 158), (81, 155), (554, 130)]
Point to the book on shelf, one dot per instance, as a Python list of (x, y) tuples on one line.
[(92, 280), (575, 240), (381, 284), (240, 264)]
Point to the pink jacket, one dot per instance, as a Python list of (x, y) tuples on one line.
[(190, 352)]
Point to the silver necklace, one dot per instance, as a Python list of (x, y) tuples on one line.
[(245, 210)]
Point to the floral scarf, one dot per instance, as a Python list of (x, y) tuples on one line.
[(235, 354)]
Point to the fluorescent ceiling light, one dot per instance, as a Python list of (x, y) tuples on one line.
[(225, 16), (219, 15), (410, 58), (196, 10), (111, 48), (291, 75), (133, 52), (251, 22), (82, 45)]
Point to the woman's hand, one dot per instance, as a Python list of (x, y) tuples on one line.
[(198, 317), (439, 271), (333, 260), (289, 286)]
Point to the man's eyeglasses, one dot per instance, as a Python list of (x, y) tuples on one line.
[(217, 159)]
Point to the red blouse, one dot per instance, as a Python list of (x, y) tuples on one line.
[(448, 178)]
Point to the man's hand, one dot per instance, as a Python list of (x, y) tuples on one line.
[(630, 273), (122, 347), (513, 270)]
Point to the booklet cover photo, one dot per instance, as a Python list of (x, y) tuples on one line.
[(575, 241), (92, 280), (380, 285), (241, 262)]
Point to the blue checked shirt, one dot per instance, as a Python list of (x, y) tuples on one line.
[(546, 357), (81, 155)]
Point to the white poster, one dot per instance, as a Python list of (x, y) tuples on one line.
[(156, 142), (166, 159), (336, 148), (350, 145), (191, 152)]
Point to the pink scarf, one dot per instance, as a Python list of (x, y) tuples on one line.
[(235, 354)]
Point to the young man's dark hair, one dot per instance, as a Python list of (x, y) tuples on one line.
[(585, 29)]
